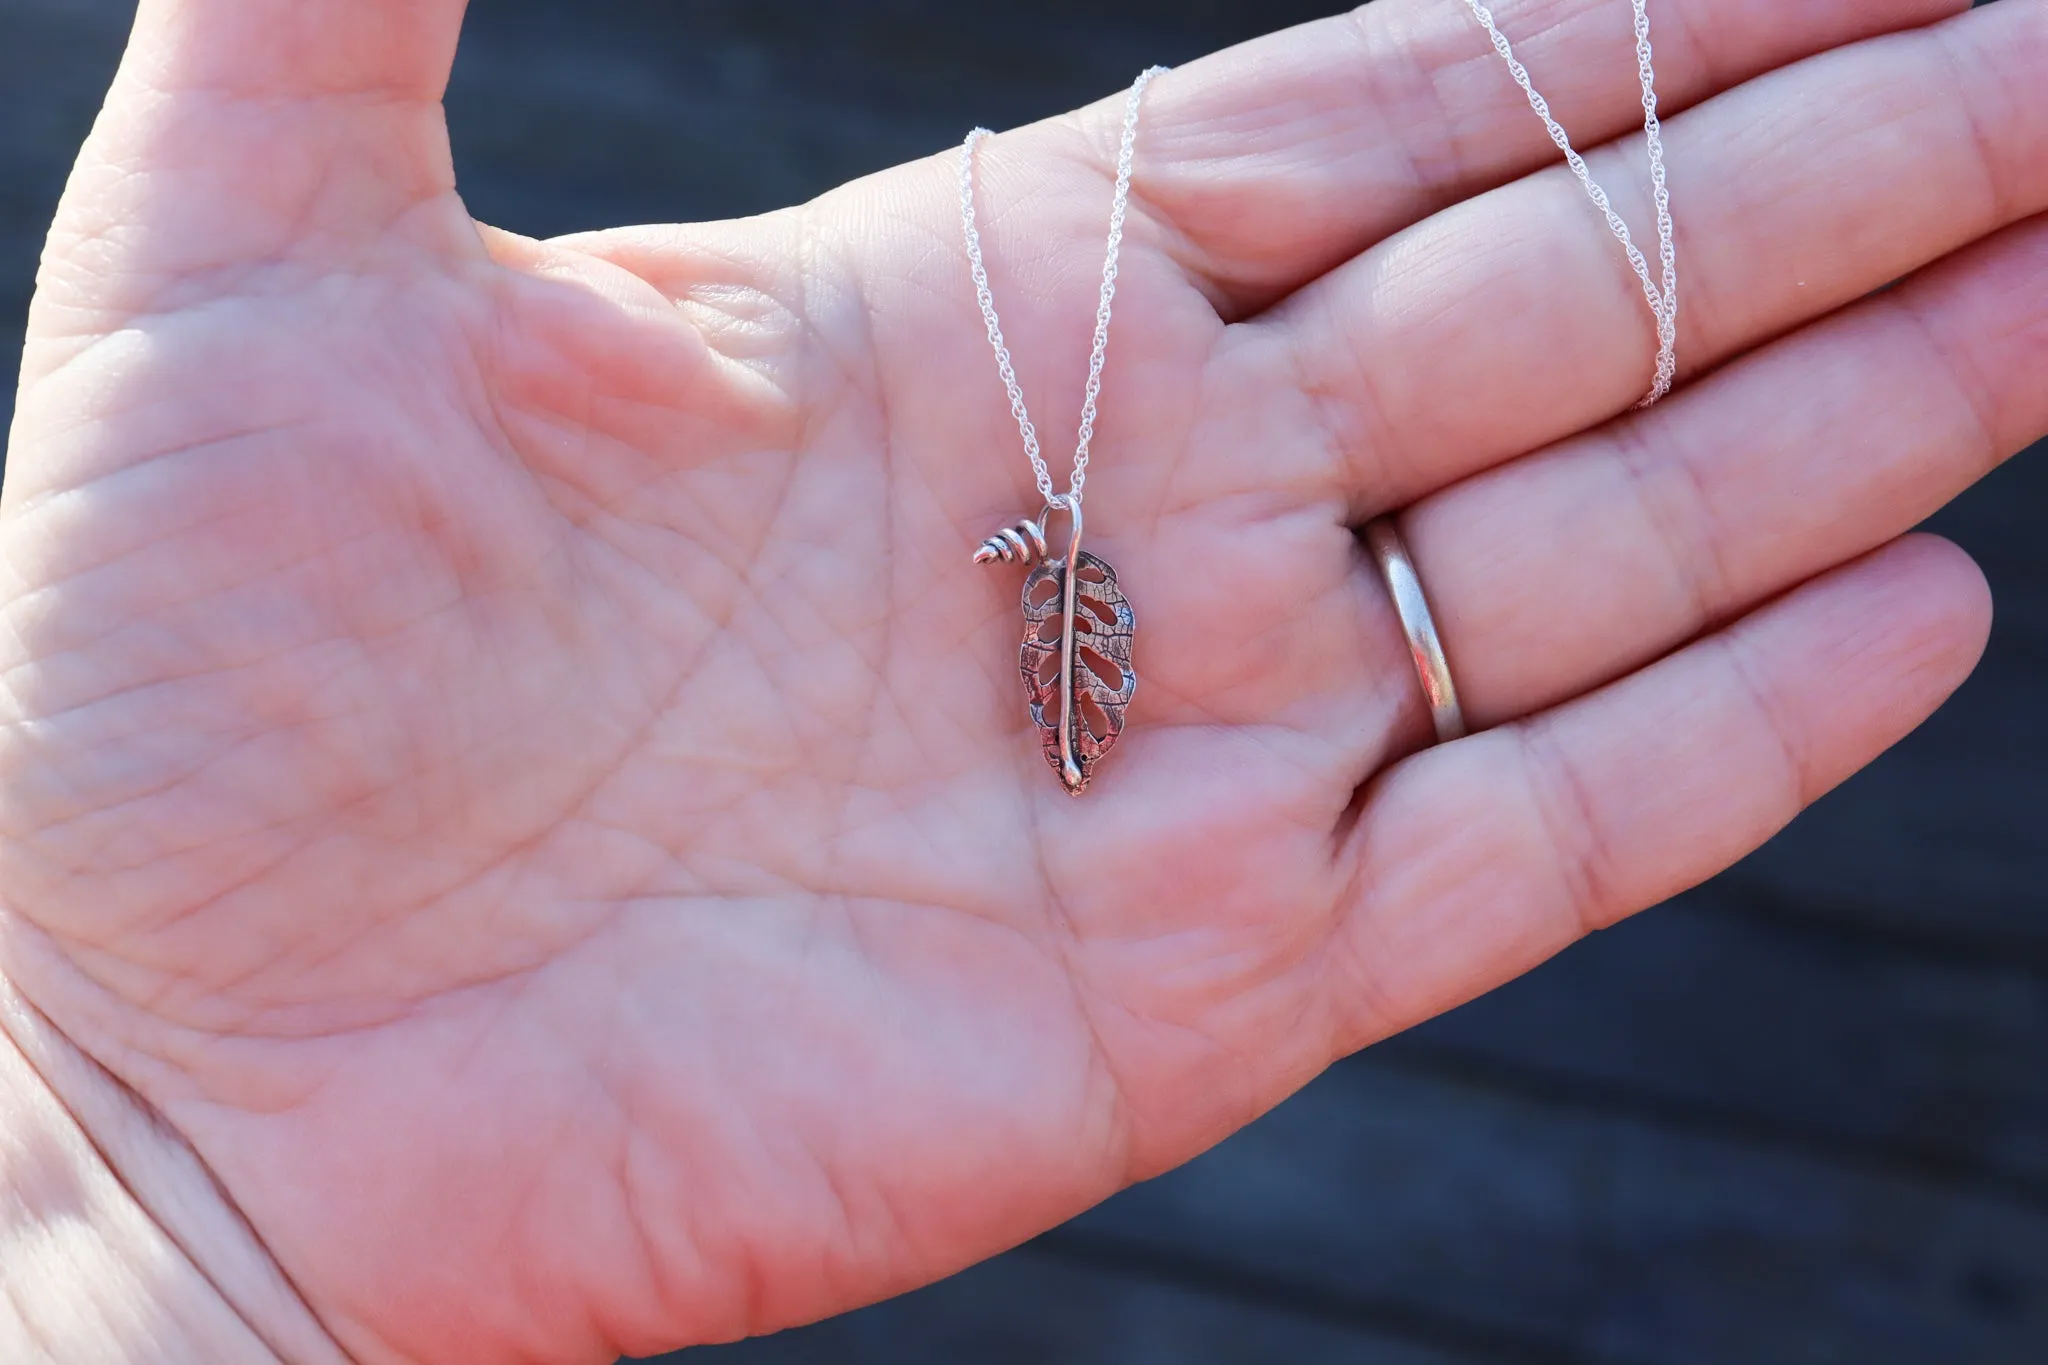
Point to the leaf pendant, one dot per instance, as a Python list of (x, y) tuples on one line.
[(1076, 662), (1078, 629)]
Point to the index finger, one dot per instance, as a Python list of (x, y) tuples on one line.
[(1270, 163)]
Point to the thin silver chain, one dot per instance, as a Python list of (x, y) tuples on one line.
[(1119, 209), (1663, 301)]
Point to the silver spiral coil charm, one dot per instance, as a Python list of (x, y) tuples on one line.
[(1023, 543)]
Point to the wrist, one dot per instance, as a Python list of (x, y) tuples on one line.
[(115, 1243)]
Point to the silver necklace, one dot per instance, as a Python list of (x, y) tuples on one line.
[(1662, 296), (1080, 692)]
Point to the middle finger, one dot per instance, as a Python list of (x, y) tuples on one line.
[(1512, 320)]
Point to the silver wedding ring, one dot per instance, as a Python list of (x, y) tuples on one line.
[(1391, 553)]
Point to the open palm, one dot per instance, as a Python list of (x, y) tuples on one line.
[(505, 750)]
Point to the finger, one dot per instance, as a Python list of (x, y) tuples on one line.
[(1277, 159), (1267, 164), (1512, 320), (396, 51), (1553, 574), (244, 139), (1476, 861)]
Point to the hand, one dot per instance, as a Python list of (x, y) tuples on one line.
[(505, 750)]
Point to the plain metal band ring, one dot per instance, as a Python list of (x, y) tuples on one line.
[(1391, 553)]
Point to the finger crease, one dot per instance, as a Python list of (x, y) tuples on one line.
[(1567, 812)]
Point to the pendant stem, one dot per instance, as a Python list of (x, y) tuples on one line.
[(1071, 775)]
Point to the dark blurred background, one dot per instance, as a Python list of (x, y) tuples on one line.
[(1799, 1115)]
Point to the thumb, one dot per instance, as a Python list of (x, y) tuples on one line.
[(245, 135), (370, 50)]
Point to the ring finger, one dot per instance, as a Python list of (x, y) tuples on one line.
[(1559, 572)]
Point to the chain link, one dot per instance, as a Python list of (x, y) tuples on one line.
[(1661, 292), (1119, 210), (1663, 300)]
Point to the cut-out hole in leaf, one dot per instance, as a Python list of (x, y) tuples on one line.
[(1094, 717), (1111, 673)]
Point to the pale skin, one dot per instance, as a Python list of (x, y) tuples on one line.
[(505, 752)]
